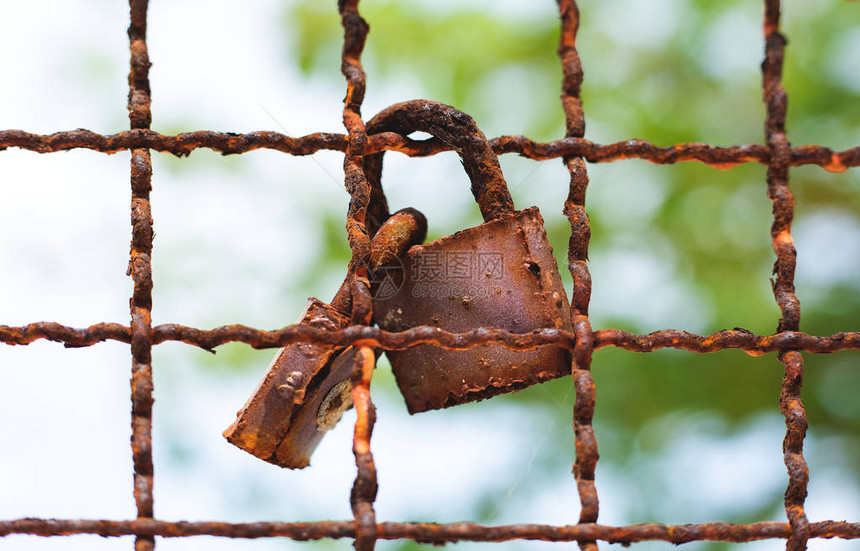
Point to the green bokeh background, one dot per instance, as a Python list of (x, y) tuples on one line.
[(692, 79)]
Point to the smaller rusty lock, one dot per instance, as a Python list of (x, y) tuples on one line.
[(499, 274), (307, 387)]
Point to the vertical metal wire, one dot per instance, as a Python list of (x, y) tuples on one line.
[(355, 34), (365, 486), (780, 194), (140, 269), (577, 257)]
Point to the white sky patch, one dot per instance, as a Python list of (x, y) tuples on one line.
[(733, 46), (637, 23), (637, 285), (828, 242)]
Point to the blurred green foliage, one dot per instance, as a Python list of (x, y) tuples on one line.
[(667, 72)]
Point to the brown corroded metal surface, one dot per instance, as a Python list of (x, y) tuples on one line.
[(585, 441), (209, 339), (447, 126), (430, 532), (307, 387), (355, 31), (230, 143), (140, 270), (459, 131), (365, 486), (401, 230), (279, 422), (499, 274), (355, 34), (790, 403)]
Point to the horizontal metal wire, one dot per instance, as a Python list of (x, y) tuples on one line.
[(776, 153), (230, 143), (371, 336), (430, 532)]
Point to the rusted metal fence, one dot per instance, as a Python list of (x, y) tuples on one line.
[(788, 342)]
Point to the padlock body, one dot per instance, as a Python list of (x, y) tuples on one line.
[(499, 274), (300, 397)]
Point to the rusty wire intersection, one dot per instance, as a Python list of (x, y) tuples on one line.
[(787, 342)]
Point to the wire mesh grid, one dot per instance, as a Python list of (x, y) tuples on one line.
[(788, 342)]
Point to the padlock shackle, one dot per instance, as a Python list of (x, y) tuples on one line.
[(456, 129), (399, 232)]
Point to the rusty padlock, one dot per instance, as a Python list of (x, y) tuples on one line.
[(499, 274), (307, 387)]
